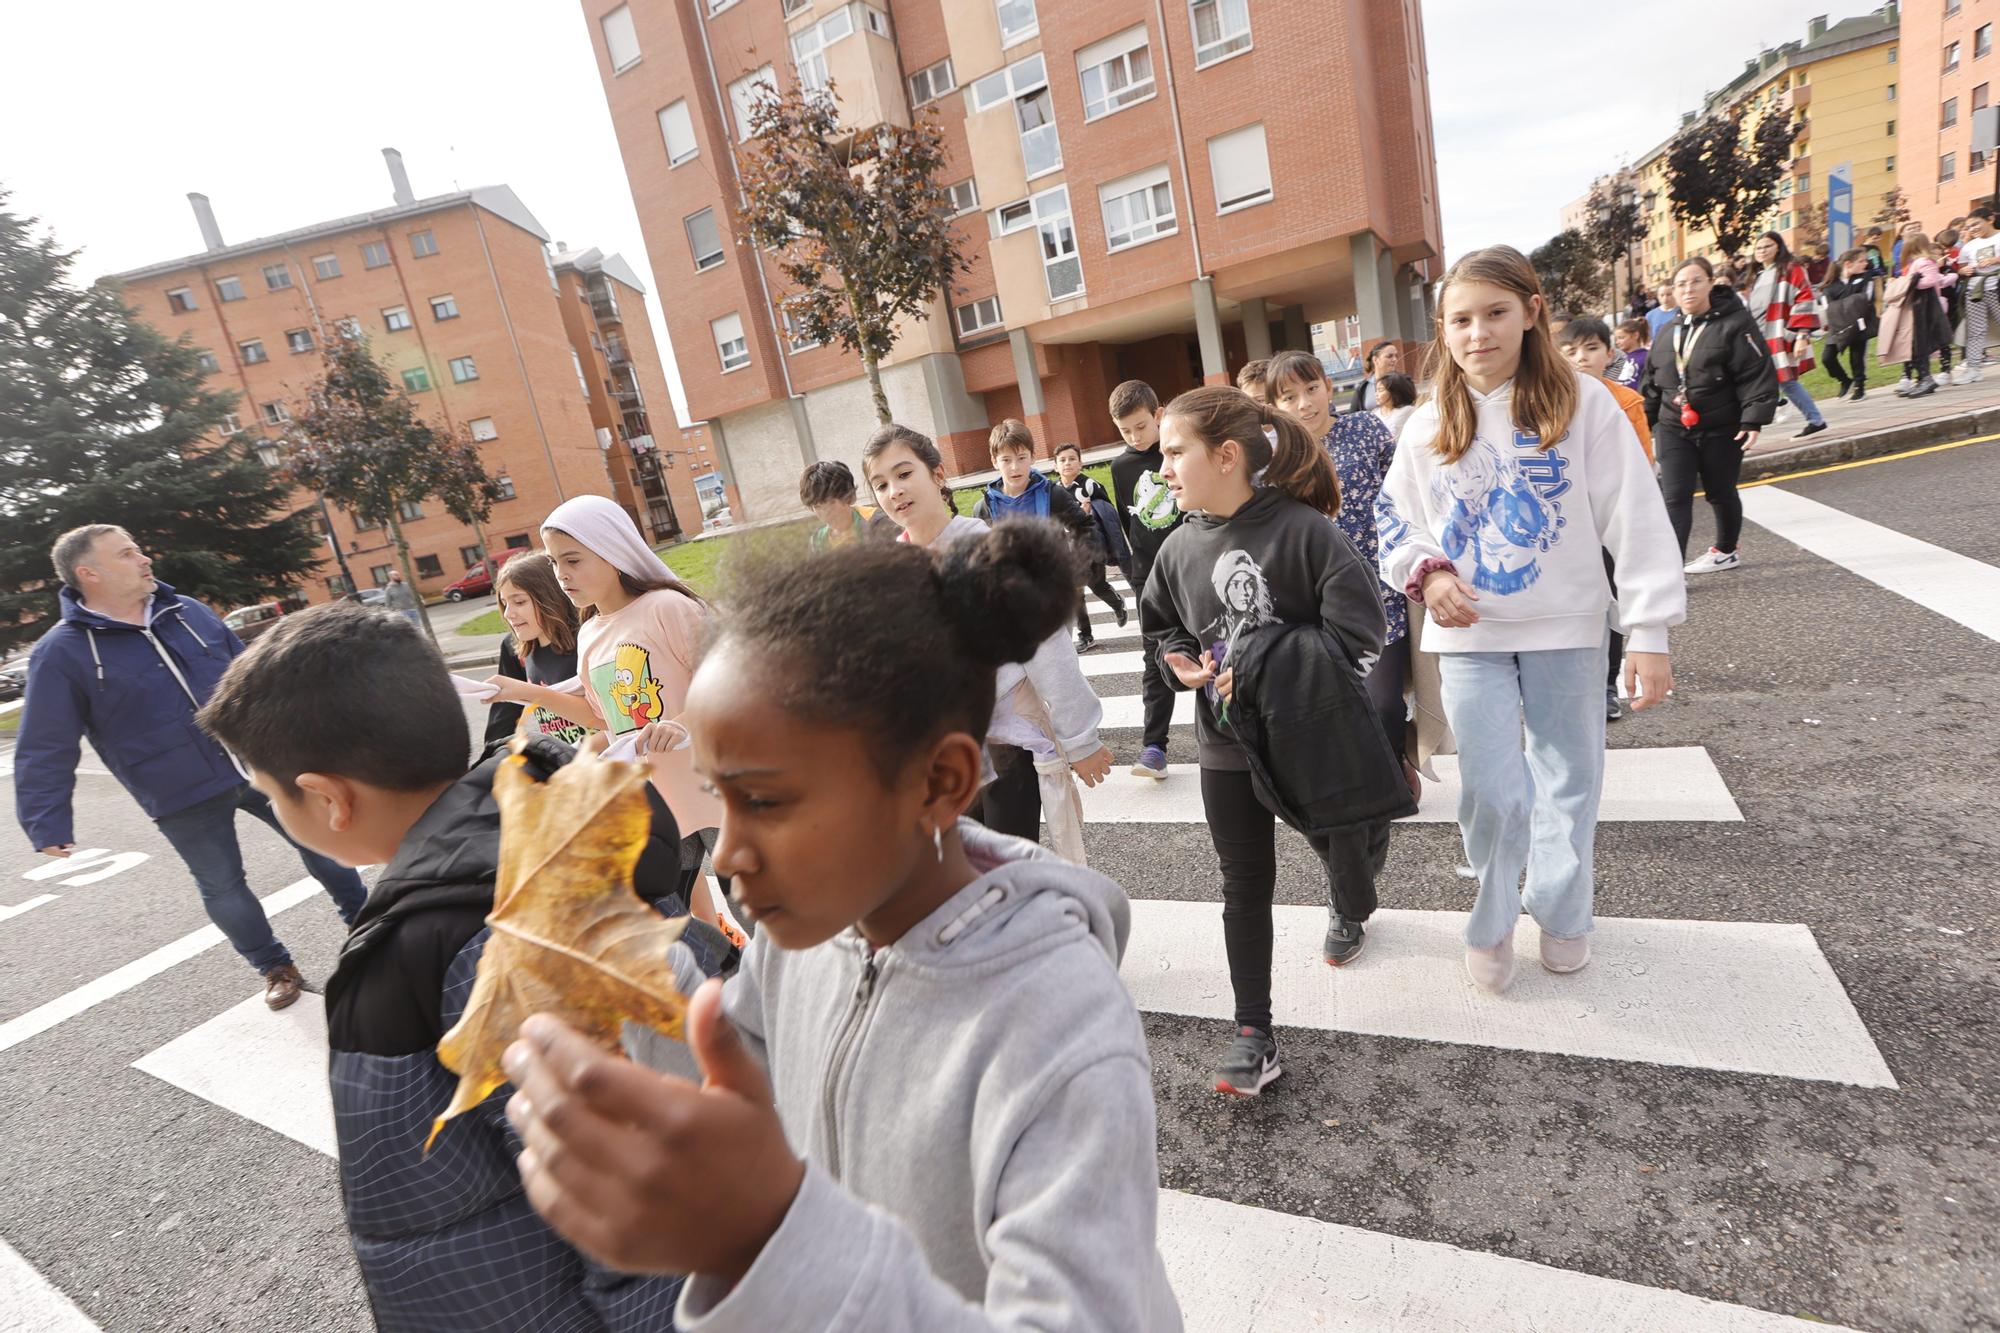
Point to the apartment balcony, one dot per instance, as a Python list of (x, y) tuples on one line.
[(1795, 99), (1800, 165), (604, 304), (616, 353)]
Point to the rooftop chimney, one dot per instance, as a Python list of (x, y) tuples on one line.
[(211, 235), (1816, 28), (398, 177)]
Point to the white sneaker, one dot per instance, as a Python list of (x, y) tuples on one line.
[(1968, 374), (1492, 968), (1714, 560)]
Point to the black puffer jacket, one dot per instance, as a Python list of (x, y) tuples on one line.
[(1730, 381), (447, 1240)]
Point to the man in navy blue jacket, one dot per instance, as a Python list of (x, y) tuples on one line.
[(128, 665)]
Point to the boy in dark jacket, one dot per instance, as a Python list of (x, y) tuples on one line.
[(1107, 539), (348, 721), (1150, 514), (1022, 492), (1850, 323)]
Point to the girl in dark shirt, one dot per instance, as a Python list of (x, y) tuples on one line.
[(541, 648)]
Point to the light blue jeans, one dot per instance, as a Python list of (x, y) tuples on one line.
[(1796, 393), (1528, 803)]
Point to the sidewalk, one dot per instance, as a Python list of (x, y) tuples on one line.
[(1879, 424)]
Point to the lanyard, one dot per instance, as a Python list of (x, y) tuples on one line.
[(1684, 344)]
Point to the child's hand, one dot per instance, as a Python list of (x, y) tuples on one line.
[(1191, 673), (1094, 768), (660, 737), (1450, 599), (1746, 440), (511, 691), (1225, 684), (644, 1172), (1648, 678)]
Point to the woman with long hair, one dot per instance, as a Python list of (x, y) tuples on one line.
[(1781, 299)]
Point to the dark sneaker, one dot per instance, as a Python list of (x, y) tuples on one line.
[(1123, 615), (282, 985), (1152, 764), (1812, 428), (1612, 712), (1085, 642), (1250, 1062), (1344, 939)]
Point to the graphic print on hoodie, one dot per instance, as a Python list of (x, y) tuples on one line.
[(1246, 605), (1501, 512)]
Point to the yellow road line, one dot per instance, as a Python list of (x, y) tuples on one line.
[(1870, 462)]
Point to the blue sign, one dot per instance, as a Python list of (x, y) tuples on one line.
[(1840, 209)]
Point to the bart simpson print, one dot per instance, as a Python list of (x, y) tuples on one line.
[(633, 690)]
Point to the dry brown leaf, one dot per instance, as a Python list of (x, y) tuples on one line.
[(570, 937)]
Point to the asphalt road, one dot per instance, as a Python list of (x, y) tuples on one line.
[(1852, 727)]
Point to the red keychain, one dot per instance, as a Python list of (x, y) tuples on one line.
[(1689, 417)]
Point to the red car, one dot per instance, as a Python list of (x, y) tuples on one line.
[(478, 580)]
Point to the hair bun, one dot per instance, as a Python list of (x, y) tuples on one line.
[(1007, 592)]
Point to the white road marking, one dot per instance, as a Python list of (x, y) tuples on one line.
[(1312, 1276), (43, 1017), (7, 913), (1129, 710), (30, 1303), (87, 866), (264, 1066), (1670, 783), (1112, 664), (82, 770), (1955, 586), (1749, 997)]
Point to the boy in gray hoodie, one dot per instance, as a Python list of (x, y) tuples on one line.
[(930, 1013)]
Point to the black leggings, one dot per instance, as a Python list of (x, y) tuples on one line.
[(1100, 584), (1617, 653), (1245, 843), (1012, 802), (1385, 691), (1856, 370), (1717, 460)]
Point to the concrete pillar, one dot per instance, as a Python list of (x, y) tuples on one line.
[(1208, 332), (1256, 329), (1025, 373), (802, 428), (1298, 334), (1373, 299)]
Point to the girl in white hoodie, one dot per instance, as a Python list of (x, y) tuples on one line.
[(1506, 483)]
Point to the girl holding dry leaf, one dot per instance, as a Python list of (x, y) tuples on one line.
[(924, 1102)]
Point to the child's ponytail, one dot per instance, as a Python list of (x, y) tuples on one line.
[(1288, 457)]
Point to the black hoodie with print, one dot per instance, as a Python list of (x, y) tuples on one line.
[(1275, 560)]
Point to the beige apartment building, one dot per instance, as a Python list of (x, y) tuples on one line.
[(459, 299), (1152, 189)]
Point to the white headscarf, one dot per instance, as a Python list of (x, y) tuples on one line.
[(609, 533)]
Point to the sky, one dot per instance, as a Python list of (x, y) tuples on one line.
[(279, 112)]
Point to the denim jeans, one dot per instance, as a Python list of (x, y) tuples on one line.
[(205, 836), (1796, 393), (1528, 806)]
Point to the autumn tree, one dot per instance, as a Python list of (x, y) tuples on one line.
[(858, 221), (361, 443), (1571, 274), (1895, 210), (1811, 231), (1724, 180), (103, 419), (1614, 228)]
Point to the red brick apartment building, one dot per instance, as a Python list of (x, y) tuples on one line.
[(459, 297), (1158, 189)]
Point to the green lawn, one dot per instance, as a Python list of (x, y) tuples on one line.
[(10, 722)]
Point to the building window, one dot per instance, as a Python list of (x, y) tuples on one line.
[(1892, 92), (483, 429), (1027, 83), (299, 340), (375, 254), (229, 289), (1979, 97), (417, 379), (231, 423), (964, 196), (1892, 55), (380, 573), (730, 344), (1951, 7), (251, 353), (1889, 162), (1891, 130), (470, 556), (931, 82), (180, 300), (677, 132), (519, 542), (1982, 40), (717, 6), (444, 307), (743, 99), (1804, 185), (423, 244), (704, 240), (1948, 167), (1017, 20), (1950, 57), (1060, 264), (207, 363), (275, 414), (1948, 115), (1221, 29), (326, 266), (409, 510), (1115, 73), (977, 316), (877, 21), (277, 277), (1137, 209), (429, 567), (1784, 222), (794, 7), (270, 455), (1241, 167), (397, 318), (506, 485), (621, 40), (795, 337), (1010, 218), (1977, 162), (809, 46), (463, 371)]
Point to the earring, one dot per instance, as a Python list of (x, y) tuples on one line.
[(937, 841)]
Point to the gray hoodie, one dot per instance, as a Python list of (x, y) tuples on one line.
[(975, 1106)]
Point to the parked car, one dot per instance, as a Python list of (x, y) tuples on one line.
[(478, 581), (13, 680), (373, 596), (250, 621)]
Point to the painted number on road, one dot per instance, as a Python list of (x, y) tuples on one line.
[(88, 866)]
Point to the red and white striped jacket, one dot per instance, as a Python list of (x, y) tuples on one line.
[(1784, 307)]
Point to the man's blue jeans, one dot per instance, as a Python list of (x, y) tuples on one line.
[(205, 836)]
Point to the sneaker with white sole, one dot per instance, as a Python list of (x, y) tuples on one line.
[(1492, 968), (1250, 1062), (1565, 955), (1714, 560), (1152, 764), (1968, 374)]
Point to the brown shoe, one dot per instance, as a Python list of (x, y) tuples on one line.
[(282, 985)]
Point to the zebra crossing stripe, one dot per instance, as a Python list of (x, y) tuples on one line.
[(1667, 783), (1312, 1276), (268, 1068), (30, 1303), (1747, 997)]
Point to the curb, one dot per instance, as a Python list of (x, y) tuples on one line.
[(1873, 444), (476, 660)]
